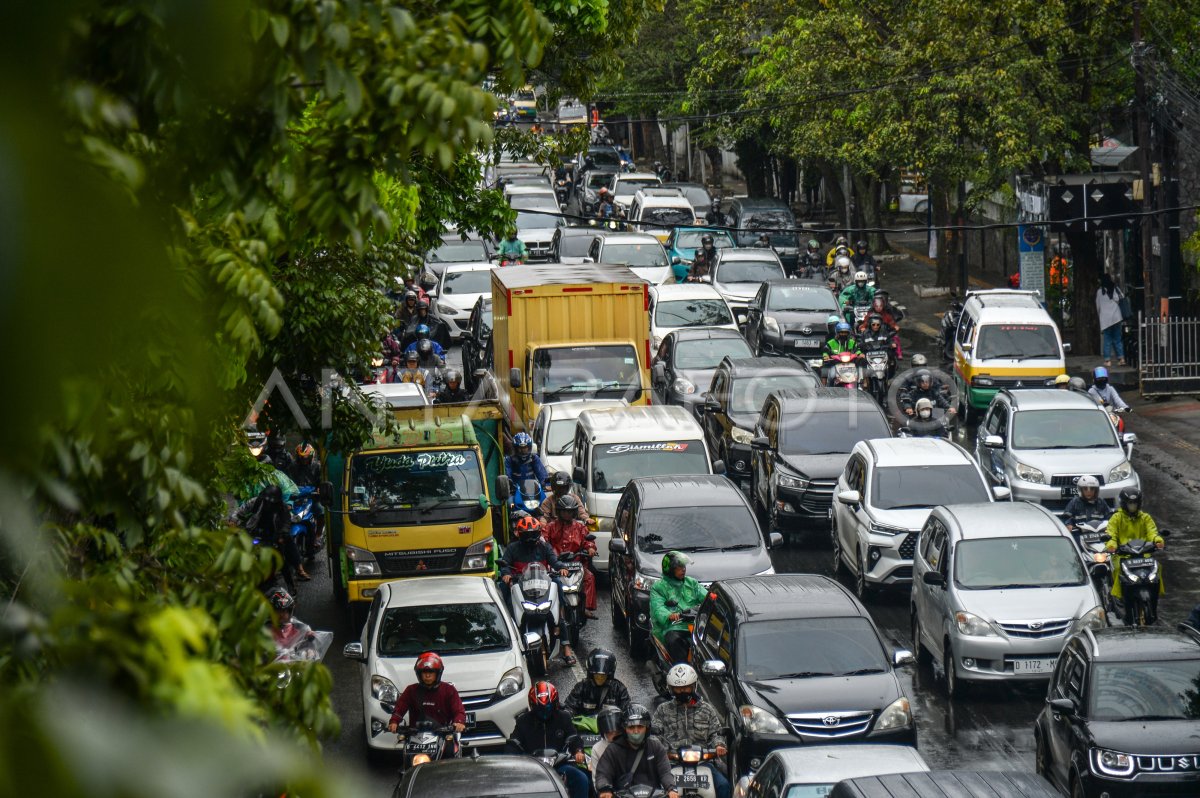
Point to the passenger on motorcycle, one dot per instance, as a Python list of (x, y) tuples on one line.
[(839, 343), (305, 471), (856, 295), (670, 597), (635, 758), (841, 246), (512, 249), (523, 464), (412, 371), (1087, 507), (529, 547), (606, 207), (429, 698), (709, 249), (923, 386), (452, 392), (1130, 523), (600, 687), (287, 632), (1104, 393), (608, 726), (888, 310), (567, 533), (547, 726), (422, 333), (879, 308), (560, 485), (688, 720)]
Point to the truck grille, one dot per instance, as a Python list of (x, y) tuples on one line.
[(1035, 630), (830, 724), (908, 546), (399, 563), (1067, 480)]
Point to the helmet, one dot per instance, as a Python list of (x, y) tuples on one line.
[(424, 348), (813, 244), (918, 360), (453, 377), (842, 327), (422, 330), (706, 239), (522, 439), (1077, 384), (860, 245), (422, 304), (1061, 379), (567, 504), (924, 376), (860, 277), (543, 699), (560, 480), (924, 404), (608, 719), (834, 320), (874, 319), (603, 190), (1130, 496), (681, 675), (842, 263), (305, 450), (271, 494), (411, 355), (716, 204), (282, 601), (410, 295), (528, 528), (672, 560), (1088, 481), (1100, 373), (601, 662), (841, 241), (636, 715), (429, 661)]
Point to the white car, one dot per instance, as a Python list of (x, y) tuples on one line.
[(625, 185), (673, 307), (810, 771), (554, 430), (738, 273), (397, 394), (526, 197), (642, 253), (458, 290), (463, 619)]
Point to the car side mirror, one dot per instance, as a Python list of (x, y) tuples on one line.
[(660, 372), (325, 491), (762, 443), (503, 488), (1066, 349), (354, 651), (935, 578), (514, 378), (675, 261), (1001, 493), (993, 442), (718, 467), (577, 475), (967, 347), (711, 405), (532, 641), (902, 657), (850, 497), (480, 374), (713, 667), (1062, 706), (774, 540), (617, 546), (1129, 438)]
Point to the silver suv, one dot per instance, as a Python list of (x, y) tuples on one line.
[(997, 589), (1040, 441), (883, 498)]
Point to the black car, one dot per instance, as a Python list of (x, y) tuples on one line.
[(754, 215), (1122, 716), (686, 360), (796, 659), (734, 398), (696, 194), (571, 244), (801, 444), (705, 516), (482, 777), (946, 784), (477, 342), (790, 317)]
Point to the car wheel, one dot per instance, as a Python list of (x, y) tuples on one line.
[(919, 651), (862, 588), (1041, 757), (838, 565), (955, 687), (618, 616)]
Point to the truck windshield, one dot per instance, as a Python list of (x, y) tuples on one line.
[(614, 464), (610, 371), (433, 486)]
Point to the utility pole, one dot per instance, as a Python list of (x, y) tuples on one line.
[(1150, 271)]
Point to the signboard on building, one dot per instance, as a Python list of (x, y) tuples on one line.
[(1032, 252)]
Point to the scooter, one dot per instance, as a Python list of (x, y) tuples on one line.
[(878, 364), (536, 611), (573, 614), (939, 425), (528, 498), (660, 659), (692, 780), (845, 371), (949, 328), (426, 742), (1140, 581), (1091, 539), (855, 314), (304, 523)]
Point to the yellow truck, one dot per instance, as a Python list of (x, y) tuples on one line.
[(569, 332), (429, 500)]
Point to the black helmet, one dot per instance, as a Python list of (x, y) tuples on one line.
[(410, 295), (601, 662), (452, 376), (636, 715), (608, 719), (1131, 496), (271, 494), (874, 319), (924, 376), (860, 245), (716, 204), (282, 601), (422, 304), (560, 479), (424, 348), (567, 504), (706, 239)]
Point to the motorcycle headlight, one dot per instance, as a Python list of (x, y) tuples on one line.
[(511, 683), (532, 504), (1121, 472), (974, 626), (771, 325), (740, 435), (759, 720), (1029, 474), (1092, 619), (383, 689), (682, 386), (477, 555), (1111, 763), (896, 716), (362, 562), (795, 483)]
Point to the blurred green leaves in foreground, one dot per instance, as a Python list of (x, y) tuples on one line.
[(191, 195)]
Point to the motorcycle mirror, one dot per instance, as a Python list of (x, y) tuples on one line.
[(1164, 533), (503, 488), (354, 651)]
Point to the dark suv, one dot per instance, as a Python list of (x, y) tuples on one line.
[(796, 659), (1122, 714), (477, 342), (734, 398), (790, 317)]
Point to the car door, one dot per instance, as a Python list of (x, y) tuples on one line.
[(540, 424), (930, 598), (760, 459), (712, 415), (714, 640), (662, 388), (853, 520), (623, 567), (768, 781), (754, 315), (992, 460), (594, 250), (1070, 678)]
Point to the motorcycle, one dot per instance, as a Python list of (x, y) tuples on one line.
[(537, 613), (939, 425), (426, 742), (844, 371), (1091, 537), (562, 190), (571, 585), (660, 658), (949, 328), (691, 780), (304, 523), (1140, 581), (856, 314), (878, 365), (1117, 416), (528, 498), (505, 261)]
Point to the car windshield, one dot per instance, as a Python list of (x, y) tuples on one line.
[(1062, 429), (648, 254), (537, 221), (1017, 562), (808, 790), (563, 371), (1017, 341), (445, 628), (628, 187), (831, 432), (926, 486), (458, 252), (706, 353), (1133, 691), (696, 195), (749, 393), (597, 180), (560, 437), (748, 271), (694, 239), (575, 246), (692, 313), (528, 202), (668, 216), (708, 528), (801, 648), (415, 487), (775, 221), (801, 298), (478, 281), (605, 158), (614, 464)]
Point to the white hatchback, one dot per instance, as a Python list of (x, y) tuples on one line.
[(462, 618), (458, 290)]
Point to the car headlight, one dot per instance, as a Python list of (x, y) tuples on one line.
[(511, 683), (759, 720), (1029, 474), (896, 716), (383, 689), (682, 386), (974, 626), (1121, 472), (1092, 619), (983, 382), (884, 529), (795, 483), (740, 435), (362, 562), (448, 310), (477, 555), (643, 582), (1111, 763), (771, 325)]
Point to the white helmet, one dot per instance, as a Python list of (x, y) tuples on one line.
[(843, 263), (681, 675), (860, 277), (924, 407), (1088, 481)]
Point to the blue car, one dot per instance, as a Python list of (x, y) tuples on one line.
[(683, 242)]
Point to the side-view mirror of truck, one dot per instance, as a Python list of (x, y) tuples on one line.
[(514, 378)]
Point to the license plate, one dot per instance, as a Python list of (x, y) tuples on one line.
[(1033, 665), (808, 342), (1069, 491), (470, 720), (697, 780)]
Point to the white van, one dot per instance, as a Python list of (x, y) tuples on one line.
[(661, 206), (613, 446)]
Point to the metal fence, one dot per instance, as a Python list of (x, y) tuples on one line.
[(1168, 355)]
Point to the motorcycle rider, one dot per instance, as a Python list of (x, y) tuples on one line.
[(1062, 382), (1087, 507), (608, 725), (699, 272), (531, 547), (412, 372), (1104, 393), (810, 263), (287, 632), (548, 726), (422, 334), (875, 336), (267, 516), (523, 465), (606, 208), (429, 698), (600, 687), (512, 249), (670, 597), (566, 533), (763, 242), (864, 260), (1131, 523), (839, 243), (407, 310), (305, 471), (688, 720), (921, 426), (922, 386), (856, 295), (561, 485), (715, 217), (708, 248), (839, 343), (452, 392), (635, 757)]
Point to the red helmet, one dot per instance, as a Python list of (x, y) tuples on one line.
[(429, 661), (543, 699), (528, 525)]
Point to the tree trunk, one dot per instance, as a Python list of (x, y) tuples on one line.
[(651, 141), (716, 163), (947, 256), (872, 211), (752, 160), (1085, 276), (833, 187)]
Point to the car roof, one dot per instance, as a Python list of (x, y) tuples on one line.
[(1004, 298), (948, 784), (743, 366), (522, 189), (438, 590), (902, 452), (847, 761), (746, 253), (650, 422), (991, 314), (779, 596), (1144, 644), (580, 231), (466, 267), (793, 283), (708, 490), (982, 520), (636, 176), (503, 774), (1049, 399), (561, 411), (669, 292), (760, 203)]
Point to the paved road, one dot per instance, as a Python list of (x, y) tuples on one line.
[(990, 730)]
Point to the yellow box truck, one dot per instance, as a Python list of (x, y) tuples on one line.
[(569, 332)]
